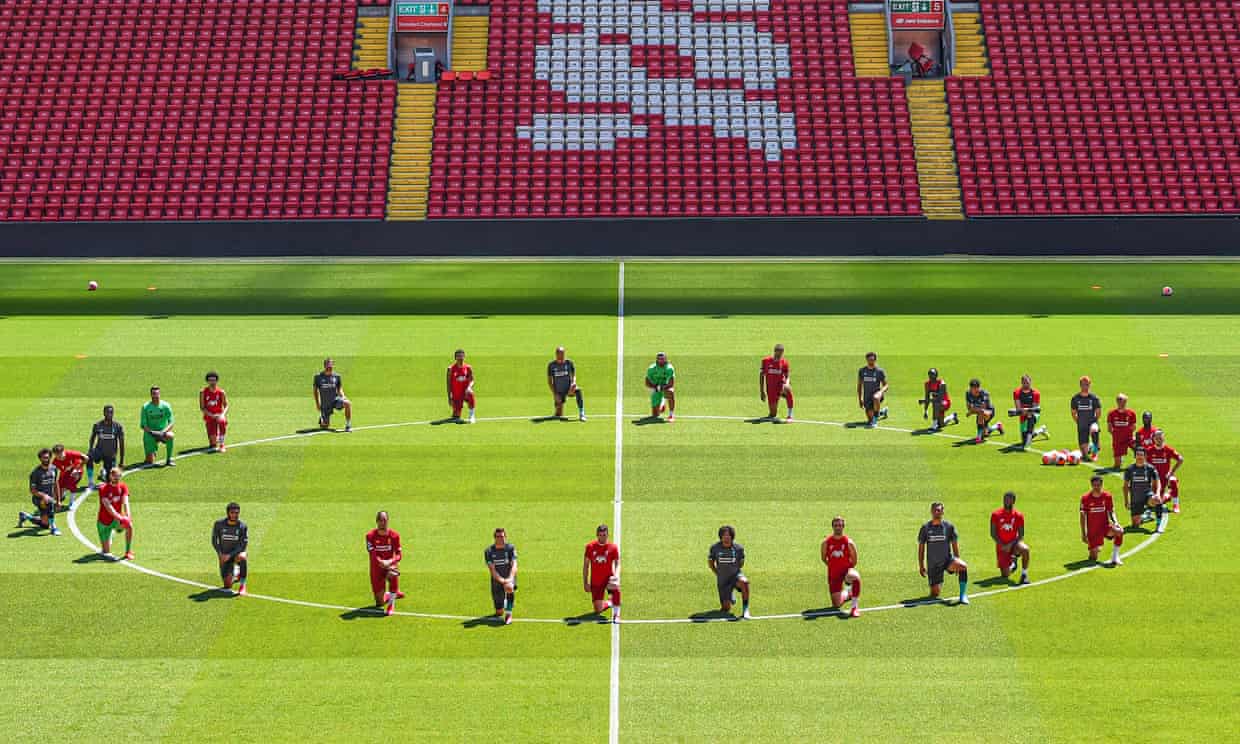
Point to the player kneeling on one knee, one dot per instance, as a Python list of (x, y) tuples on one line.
[(230, 537), (114, 514), (839, 552), (727, 561), (661, 382), (977, 401), (938, 552), (1098, 522), (600, 573), (1007, 529), (383, 547), (501, 558)]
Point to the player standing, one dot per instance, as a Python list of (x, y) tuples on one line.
[(1142, 491), (70, 466), (727, 561), (1007, 529), (501, 558), (661, 381), (461, 386), (156, 421), (977, 401), (383, 547), (1122, 424), (938, 552), (600, 573), (839, 552), (773, 378), (107, 445), (213, 402), (938, 398), (1098, 522), (871, 390), (230, 537), (44, 495), (1086, 410), (1028, 402), (1166, 460), (329, 396), (562, 380), (114, 515)]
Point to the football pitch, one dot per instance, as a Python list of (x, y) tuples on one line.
[(148, 650)]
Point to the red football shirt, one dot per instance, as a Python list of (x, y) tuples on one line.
[(839, 557), (1122, 423), (601, 558), (1007, 524), (71, 461), (1145, 437), (460, 375), (1161, 458), (213, 400), (114, 496), (382, 547), (933, 387), (775, 372), (1096, 509)]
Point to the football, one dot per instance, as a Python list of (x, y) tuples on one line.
[(1168, 291), (1074, 457), (1061, 457), (1048, 458), (92, 285)]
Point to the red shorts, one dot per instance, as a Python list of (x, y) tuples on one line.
[(946, 404), (835, 580), (379, 579), (1099, 536), (215, 427), (598, 592), (1120, 447), (1003, 558), (69, 481), (774, 389)]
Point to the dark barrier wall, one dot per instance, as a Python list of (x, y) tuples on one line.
[(741, 237)]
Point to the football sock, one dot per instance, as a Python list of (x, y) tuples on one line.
[(1114, 553), (856, 591), (964, 582), (348, 421), (225, 572), (243, 569), (1024, 574), (128, 544), (90, 474), (745, 606), (788, 398), (51, 521), (509, 600), (581, 402)]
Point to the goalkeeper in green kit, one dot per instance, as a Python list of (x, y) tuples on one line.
[(661, 379), (156, 424)]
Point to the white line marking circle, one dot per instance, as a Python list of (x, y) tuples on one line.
[(77, 502)]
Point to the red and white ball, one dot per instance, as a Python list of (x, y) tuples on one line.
[(92, 285), (1168, 291), (1074, 457), (1048, 458)]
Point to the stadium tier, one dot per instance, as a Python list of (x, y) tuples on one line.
[(1102, 107)]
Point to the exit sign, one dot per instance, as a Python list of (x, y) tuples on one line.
[(917, 14), (423, 17)]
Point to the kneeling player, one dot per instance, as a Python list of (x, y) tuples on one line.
[(661, 382), (1098, 522), (230, 537), (600, 573), (1142, 490), (871, 390), (938, 398), (977, 401), (1007, 529), (107, 446), (839, 552), (213, 402), (938, 552), (1086, 410), (114, 514), (1029, 407), (501, 558), (727, 561), (157, 424), (562, 379), (773, 376), (70, 467), (329, 396), (44, 495), (1122, 424), (1166, 460), (383, 547), (461, 386)]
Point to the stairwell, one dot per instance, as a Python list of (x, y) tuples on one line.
[(370, 46), (869, 44), (469, 42), (972, 59), (936, 154), (409, 179)]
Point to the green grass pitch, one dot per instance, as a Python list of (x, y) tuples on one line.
[(93, 650)]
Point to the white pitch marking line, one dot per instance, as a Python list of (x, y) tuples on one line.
[(613, 717), (620, 417)]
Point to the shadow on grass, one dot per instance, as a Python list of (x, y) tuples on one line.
[(1078, 565), (448, 420), (485, 621), (586, 618), (26, 532), (817, 613), (94, 558), (193, 451), (971, 442), (369, 612), (924, 600), (857, 425), (206, 595), (712, 616), (311, 430), (648, 420), (1014, 447), (995, 581), (544, 419)]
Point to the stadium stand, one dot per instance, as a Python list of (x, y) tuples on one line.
[(703, 111), (1102, 107), (177, 110)]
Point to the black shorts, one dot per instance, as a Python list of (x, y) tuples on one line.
[(561, 395), (109, 461), (326, 409), (1137, 504), (870, 403), (935, 572), (498, 594), (40, 507), (728, 585), (1082, 431)]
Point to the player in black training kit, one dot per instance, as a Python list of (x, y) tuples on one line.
[(1086, 411), (107, 446), (562, 379), (329, 396), (1141, 491), (977, 401), (230, 537), (44, 494), (501, 558), (872, 390), (727, 561)]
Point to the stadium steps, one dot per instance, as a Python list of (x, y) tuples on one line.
[(972, 59), (936, 155), (370, 43), (409, 179), (469, 42), (869, 44)]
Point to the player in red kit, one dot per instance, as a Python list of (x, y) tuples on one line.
[(773, 382), (938, 397), (1007, 529), (383, 546), (1144, 438), (461, 386), (1166, 461), (839, 552), (213, 402), (1098, 522), (70, 466), (600, 573), (1122, 423)]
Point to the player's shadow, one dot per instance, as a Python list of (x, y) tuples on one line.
[(856, 424), (369, 612), (926, 432), (923, 600), (311, 430), (648, 420), (94, 558), (1012, 448), (970, 442), (448, 420), (764, 420), (193, 451), (545, 419), (586, 618), (485, 621), (1078, 565), (206, 595), (995, 581), (817, 613), (26, 532), (710, 616)]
